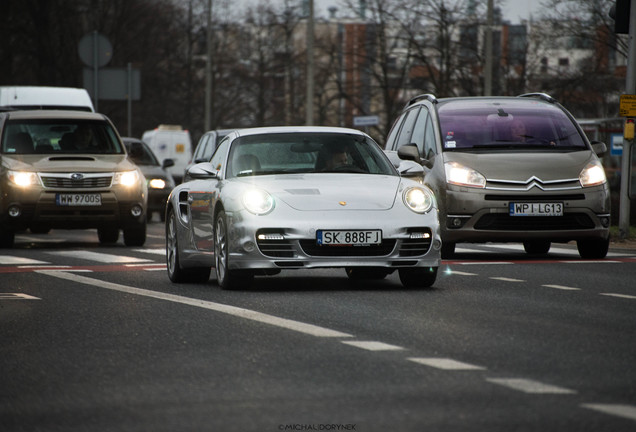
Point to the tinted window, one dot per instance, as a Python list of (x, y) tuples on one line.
[(531, 125), (59, 137), (407, 128)]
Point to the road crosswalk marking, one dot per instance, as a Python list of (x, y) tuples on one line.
[(99, 257)]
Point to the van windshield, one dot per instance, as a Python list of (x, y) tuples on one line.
[(57, 137), (507, 127)]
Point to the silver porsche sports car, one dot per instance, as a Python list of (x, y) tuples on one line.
[(273, 199)]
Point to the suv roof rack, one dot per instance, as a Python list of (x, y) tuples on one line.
[(543, 96), (427, 96)]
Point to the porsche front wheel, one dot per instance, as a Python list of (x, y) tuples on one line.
[(226, 278)]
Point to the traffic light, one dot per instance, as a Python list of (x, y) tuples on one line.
[(620, 14)]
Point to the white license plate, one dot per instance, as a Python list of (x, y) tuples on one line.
[(348, 237), (78, 199), (536, 209)]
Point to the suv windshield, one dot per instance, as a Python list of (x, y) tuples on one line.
[(59, 137), (306, 153), (508, 127)]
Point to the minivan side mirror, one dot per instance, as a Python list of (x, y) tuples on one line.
[(409, 152), (600, 148)]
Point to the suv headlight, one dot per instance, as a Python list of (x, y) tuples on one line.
[(460, 175), (23, 178), (593, 174), (126, 178), (418, 199)]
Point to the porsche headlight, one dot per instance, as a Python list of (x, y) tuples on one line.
[(593, 174), (126, 178), (258, 201), (420, 200), (23, 178), (463, 176), (157, 183)]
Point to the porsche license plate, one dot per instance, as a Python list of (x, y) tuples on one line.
[(536, 209), (348, 237), (93, 199)]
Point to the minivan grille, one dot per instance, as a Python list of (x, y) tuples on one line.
[(504, 222)]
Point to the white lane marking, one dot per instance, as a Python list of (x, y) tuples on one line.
[(505, 279), (17, 296), (218, 307), (626, 411), (8, 259), (529, 386), (459, 273), (373, 346), (485, 263), (445, 363), (99, 257), (625, 296), (592, 262), (562, 287), (161, 251), (553, 249)]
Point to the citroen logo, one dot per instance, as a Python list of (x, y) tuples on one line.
[(77, 176), (343, 203)]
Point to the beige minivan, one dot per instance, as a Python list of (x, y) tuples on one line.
[(507, 169), (68, 170)]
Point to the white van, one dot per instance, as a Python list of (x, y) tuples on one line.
[(38, 97), (171, 142)]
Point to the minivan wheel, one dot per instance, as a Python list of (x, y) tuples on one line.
[(108, 235), (536, 247), (593, 248), (422, 277), (135, 236)]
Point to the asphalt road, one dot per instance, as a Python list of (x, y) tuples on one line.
[(97, 338)]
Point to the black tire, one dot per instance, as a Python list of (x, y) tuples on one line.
[(108, 235), (448, 249), (366, 273), (7, 238), (593, 248), (537, 247), (135, 236), (226, 278), (175, 272), (421, 277)]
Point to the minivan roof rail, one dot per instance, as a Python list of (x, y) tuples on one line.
[(543, 96), (427, 96)]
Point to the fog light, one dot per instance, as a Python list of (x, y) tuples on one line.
[(605, 221), (437, 245), (15, 211), (136, 210), (249, 246)]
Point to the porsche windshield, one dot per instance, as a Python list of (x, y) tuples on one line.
[(507, 127), (306, 153), (59, 137)]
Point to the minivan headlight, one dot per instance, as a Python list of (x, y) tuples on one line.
[(461, 175), (593, 174), (126, 178), (23, 178), (418, 199)]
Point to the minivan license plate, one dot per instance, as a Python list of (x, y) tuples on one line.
[(348, 237), (78, 199), (536, 209)]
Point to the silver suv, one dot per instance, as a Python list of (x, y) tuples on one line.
[(68, 169), (508, 169)]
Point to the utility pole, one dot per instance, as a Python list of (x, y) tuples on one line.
[(207, 123), (488, 60), (626, 160), (309, 109)]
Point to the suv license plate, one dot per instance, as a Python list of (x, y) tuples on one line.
[(536, 209), (78, 199), (348, 238)]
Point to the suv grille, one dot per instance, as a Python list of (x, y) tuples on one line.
[(65, 181)]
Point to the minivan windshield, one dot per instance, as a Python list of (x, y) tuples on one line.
[(59, 137), (527, 126)]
